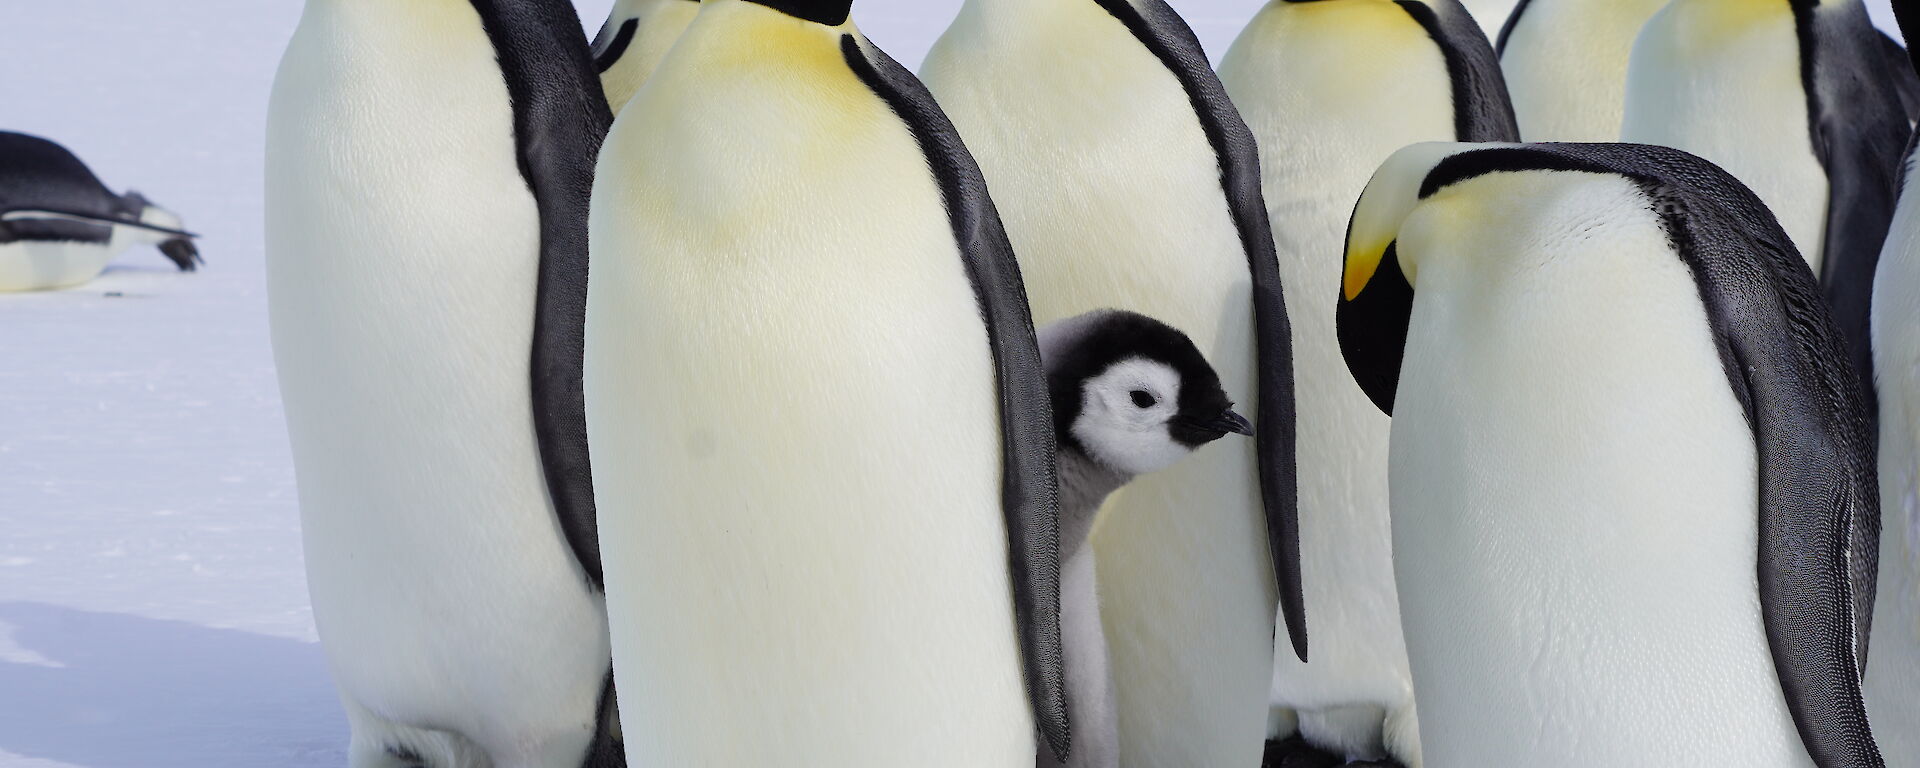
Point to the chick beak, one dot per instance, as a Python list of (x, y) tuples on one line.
[(1229, 421)]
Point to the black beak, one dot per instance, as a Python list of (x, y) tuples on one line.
[(1228, 421)]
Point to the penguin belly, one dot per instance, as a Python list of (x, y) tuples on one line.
[(1096, 739), (657, 25), (1566, 66), (1492, 14), (1722, 79), (1574, 489), (401, 266), (41, 265), (1331, 89), (1112, 197), (1893, 665), (791, 388)]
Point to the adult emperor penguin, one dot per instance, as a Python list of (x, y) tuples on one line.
[(1634, 502), (1331, 89), (427, 176), (1131, 395), (630, 44), (1566, 65), (1893, 669), (1797, 99), (832, 539), (1128, 180), (59, 225)]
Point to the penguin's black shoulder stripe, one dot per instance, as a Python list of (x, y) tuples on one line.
[(1482, 110), (1506, 28), (560, 117), (1158, 27), (608, 50), (1859, 129), (1788, 367), (1030, 486)]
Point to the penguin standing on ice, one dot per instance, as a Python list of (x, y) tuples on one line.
[(427, 176), (831, 535), (1131, 395), (1128, 180), (59, 226), (630, 44), (1566, 65), (1634, 500), (1331, 89), (1798, 100), (1893, 668)]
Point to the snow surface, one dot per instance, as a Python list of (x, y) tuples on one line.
[(153, 611)]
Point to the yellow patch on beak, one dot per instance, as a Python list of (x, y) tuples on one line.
[(1362, 263)]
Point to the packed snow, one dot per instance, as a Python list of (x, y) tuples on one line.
[(153, 612)]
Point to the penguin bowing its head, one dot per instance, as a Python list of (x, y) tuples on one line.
[(1131, 395)]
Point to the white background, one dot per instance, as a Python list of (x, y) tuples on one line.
[(152, 608)]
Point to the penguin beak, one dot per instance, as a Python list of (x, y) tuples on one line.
[(1229, 421)]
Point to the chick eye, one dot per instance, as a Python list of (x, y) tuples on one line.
[(1143, 399)]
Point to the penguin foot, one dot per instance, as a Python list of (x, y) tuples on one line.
[(1295, 752)]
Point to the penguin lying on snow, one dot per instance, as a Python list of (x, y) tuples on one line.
[(1131, 395), (1633, 491), (59, 226)]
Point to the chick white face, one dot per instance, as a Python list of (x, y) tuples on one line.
[(1126, 416)]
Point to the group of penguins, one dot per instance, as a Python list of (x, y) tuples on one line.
[(786, 419)]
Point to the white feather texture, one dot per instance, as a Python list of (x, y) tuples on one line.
[(1721, 79), (1331, 89), (795, 422), (1112, 196), (402, 247), (1573, 491), (657, 24), (1566, 66), (1893, 665), (1492, 14)]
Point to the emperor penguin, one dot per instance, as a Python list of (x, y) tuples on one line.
[(1491, 14), (1566, 65), (59, 225), (1798, 99), (428, 165), (832, 538), (1893, 669), (632, 41), (1331, 89), (1128, 180), (1634, 499), (1131, 395)]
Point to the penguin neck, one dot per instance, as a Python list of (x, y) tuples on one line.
[(1085, 485)]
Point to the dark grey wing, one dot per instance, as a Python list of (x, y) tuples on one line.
[(1030, 485), (1859, 131), (1482, 110), (608, 48), (1906, 81), (1506, 29), (1785, 361), (1158, 27), (560, 117)]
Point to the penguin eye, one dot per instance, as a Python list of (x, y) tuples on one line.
[(1143, 399)]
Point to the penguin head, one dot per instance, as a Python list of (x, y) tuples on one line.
[(1133, 393), (162, 229)]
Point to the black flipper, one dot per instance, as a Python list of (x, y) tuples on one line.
[(1030, 487), (607, 50), (1482, 110), (1905, 80), (1167, 36), (1506, 29), (1788, 367), (1859, 131), (560, 117)]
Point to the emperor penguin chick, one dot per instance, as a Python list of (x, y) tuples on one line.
[(1131, 395)]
